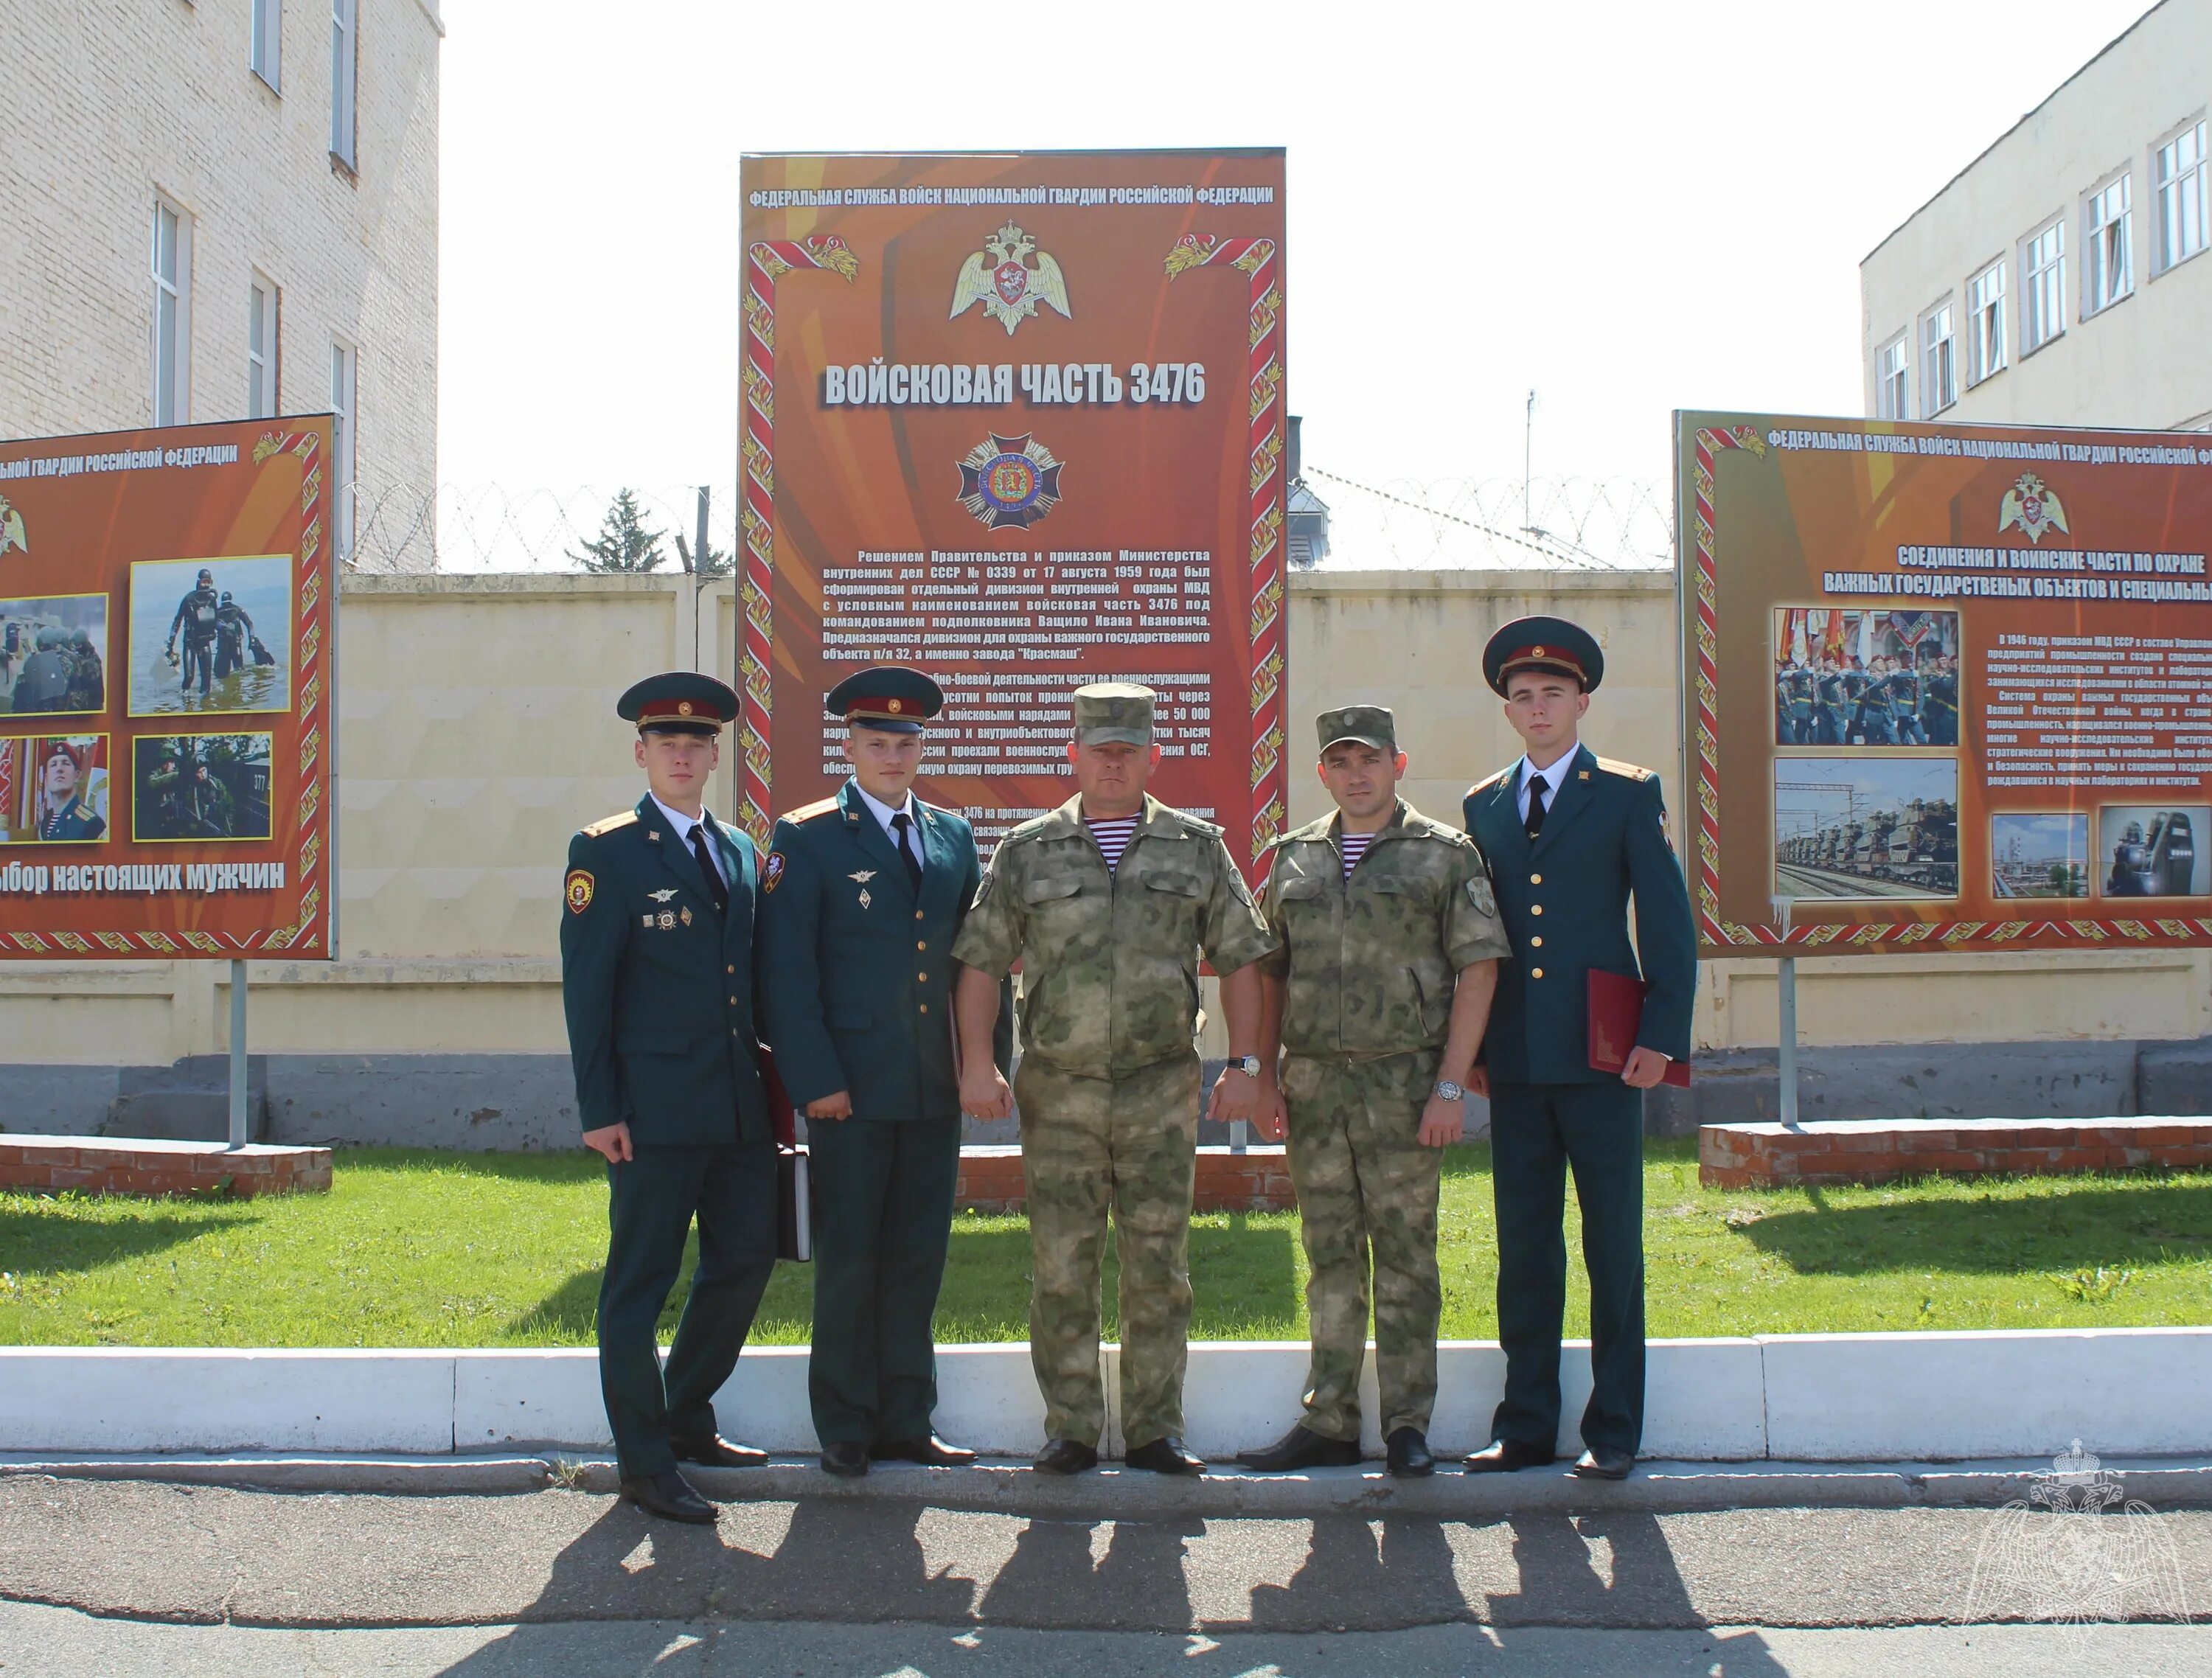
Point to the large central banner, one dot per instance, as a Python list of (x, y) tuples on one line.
[(1017, 421), (1951, 686)]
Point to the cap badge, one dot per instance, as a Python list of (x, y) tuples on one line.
[(684, 707), (894, 707), (1535, 652)]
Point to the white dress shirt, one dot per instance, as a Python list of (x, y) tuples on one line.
[(683, 824), (1551, 778), (882, 812)]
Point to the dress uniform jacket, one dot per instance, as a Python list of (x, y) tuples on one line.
[(856, 969), (1563, 896), (659, 991)]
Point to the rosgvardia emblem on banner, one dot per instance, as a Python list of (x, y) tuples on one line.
[(13, 531), (1000, 277), (2033, 506), (1009, 482)]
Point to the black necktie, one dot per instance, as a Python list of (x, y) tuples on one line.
[(904, 823), (719, 892), (1534, 823)]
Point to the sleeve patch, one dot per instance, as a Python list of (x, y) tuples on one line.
[(1480, 896), (772, 875), (579, 889)]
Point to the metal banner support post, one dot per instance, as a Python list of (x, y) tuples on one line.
[(1785, 986), (238, 1053)]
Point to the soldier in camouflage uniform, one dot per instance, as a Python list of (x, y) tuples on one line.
[(1391, 946), (1107, 903)]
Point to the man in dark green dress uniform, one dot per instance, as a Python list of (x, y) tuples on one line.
[(1571, 838), (861, 895), (656, 977), (67, 817)]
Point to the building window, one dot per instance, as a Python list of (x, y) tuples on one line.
[(344, 388), (2043, 288), (261, 348), (2108, 270), (1889, 402), (343, 60), (1939, 361), (173, 316), (262, 50), (2180, 171), (1985, 323)]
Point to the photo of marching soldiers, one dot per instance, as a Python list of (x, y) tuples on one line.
[(2152, 852), (2040, 855), (1849, 827), (53, 790), (210, 636), (200, 786), (53, 655), (1854, 677)]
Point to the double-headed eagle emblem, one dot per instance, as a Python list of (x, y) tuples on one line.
[(2031, 504), (12, 532), (1000, 278)]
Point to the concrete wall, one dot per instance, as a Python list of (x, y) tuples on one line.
[(105, 104), (2143, 361), (476, 733)]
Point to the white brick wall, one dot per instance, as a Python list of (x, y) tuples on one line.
[(104, 104)]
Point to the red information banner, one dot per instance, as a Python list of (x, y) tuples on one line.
[(1950, 686), (167, 632), (1017, 421)]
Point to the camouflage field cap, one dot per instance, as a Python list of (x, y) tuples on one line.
[(1111, 713), (1370, 725)]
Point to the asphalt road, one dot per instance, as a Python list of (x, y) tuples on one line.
[(123, 1579)]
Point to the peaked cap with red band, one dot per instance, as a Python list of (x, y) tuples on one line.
[(889, 696), (678, 701), (1548, 644)]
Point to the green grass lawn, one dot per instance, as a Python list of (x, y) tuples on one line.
[(447, 1249)]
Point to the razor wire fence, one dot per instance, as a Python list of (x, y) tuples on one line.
[(1444, 524)]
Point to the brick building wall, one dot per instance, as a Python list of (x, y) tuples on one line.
[(108, 105)]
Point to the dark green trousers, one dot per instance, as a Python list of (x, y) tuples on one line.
[(654, 1197), (882, 1221), (1537, 1131)]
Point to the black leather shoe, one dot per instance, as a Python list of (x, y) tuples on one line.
[(847, 1459), (1604, 1462), (1166, 1457), (671, 1497), (716, 1452), (1300, 1448), (1407, 1454), (929, 1450), (1506, 1455), (1064, 1456)]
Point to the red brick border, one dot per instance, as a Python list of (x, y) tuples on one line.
[(1257, 1180), (1749, 1156), (103, 1165)]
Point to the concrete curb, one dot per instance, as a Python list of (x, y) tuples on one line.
[(2002, 1394), (1005, 1487)]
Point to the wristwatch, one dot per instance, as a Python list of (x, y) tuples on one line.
[(1450, 1090), (1246, 1064)]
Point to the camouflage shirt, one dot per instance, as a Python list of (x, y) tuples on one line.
[(1372, 960), (1110, 960)]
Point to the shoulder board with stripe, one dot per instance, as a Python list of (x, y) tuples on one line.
[(609, 824), (808, 812), (1626, 771), (1484, 785)]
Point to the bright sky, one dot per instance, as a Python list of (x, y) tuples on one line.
[(1630, 208)]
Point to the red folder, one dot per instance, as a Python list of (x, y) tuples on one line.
[(794, 1176), (1616, 1010)]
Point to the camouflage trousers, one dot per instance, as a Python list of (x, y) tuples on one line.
[(1365, 1181), (1126, 1146)]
